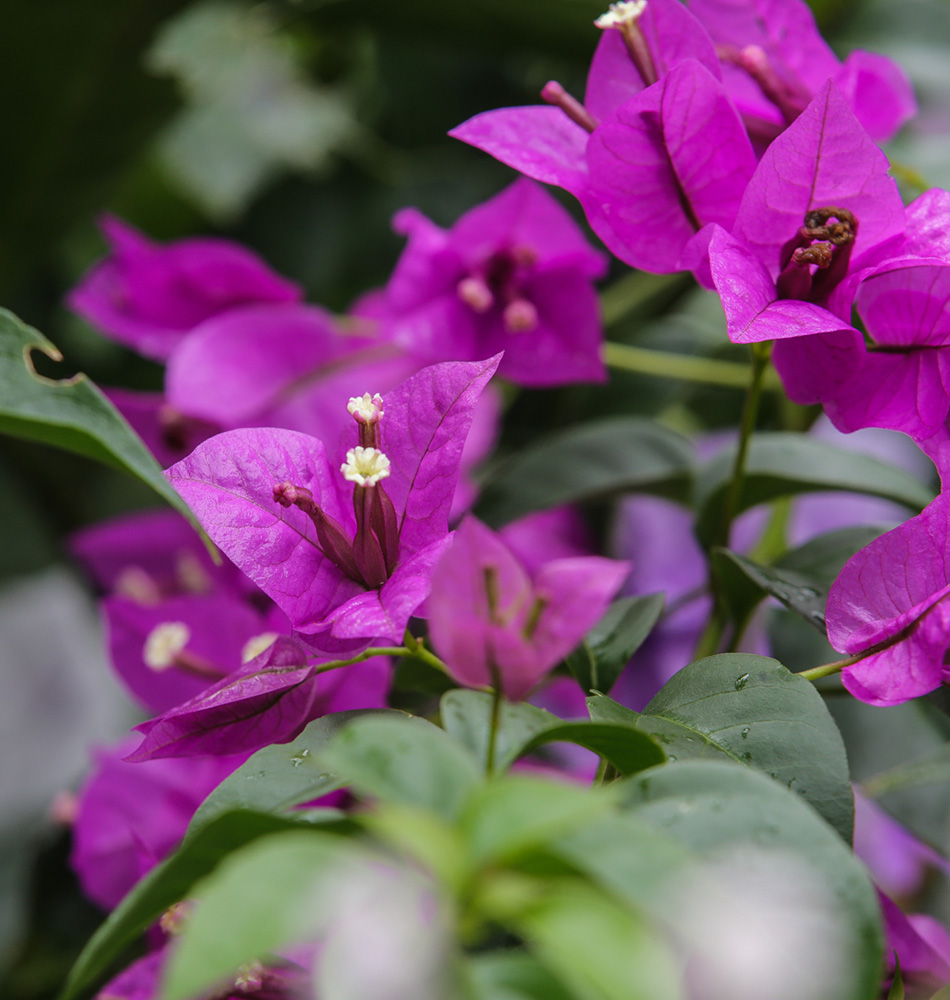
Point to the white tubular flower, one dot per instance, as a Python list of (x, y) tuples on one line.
[(164, 643), (365, 466), (366, 409), (621, 13)]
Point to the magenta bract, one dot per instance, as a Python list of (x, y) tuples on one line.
[(492, 623), (147, 296)]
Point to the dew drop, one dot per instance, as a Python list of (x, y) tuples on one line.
[(745, 732), (299, 758), (742, 681)]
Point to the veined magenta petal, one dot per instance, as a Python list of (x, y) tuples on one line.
[(672, 34), (269, 700), (892, 581), (814, 369), (228, 482), (539, 141), (423, 432), (927, 225), (669, 161), (824, 158)]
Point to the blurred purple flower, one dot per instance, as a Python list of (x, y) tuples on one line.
[(493, 624), (131, 816), (514, 274), (148, 296), (774, 61)]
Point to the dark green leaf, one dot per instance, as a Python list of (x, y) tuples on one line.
[(745, 583), (594, 460), (601, 657), (524, 728), (71, 414), (720, 811), (751, 710), (511, 975), (260, 899), (466, 716), (822, 557), (163, 886), (627, 748), (403, 759), (786, 464), (280, 776)]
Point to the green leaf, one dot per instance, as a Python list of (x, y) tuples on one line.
[(745, 583), (405, 760), (163, 886), (260, 899), (593, 460), (601, 657), (730, 814), (466, 717), (605, 951), (511, 975), (71, 414), (822, 557), (629, 749), (515, 813), (751, 710), (283, 775), (524, 728), (785, 464), (896, 992)]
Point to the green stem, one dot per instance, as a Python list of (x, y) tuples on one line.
[(497, 699), (666, 364), (417, 652), (827, 669), (716, 626)]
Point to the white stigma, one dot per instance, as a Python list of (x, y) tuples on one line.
[(365, 466), (256, 645), (621, 13), (366, 408), (164, 643)]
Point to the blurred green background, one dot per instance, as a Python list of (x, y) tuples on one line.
[(297, 128)]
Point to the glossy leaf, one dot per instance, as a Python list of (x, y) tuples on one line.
[(753, 711), (785, 464), (466, 717), (745, 583), (627, 748), (587, 462), (406, 760), (164, 885), (601, 657), (282, 775), (70, 413), (718, 810)]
